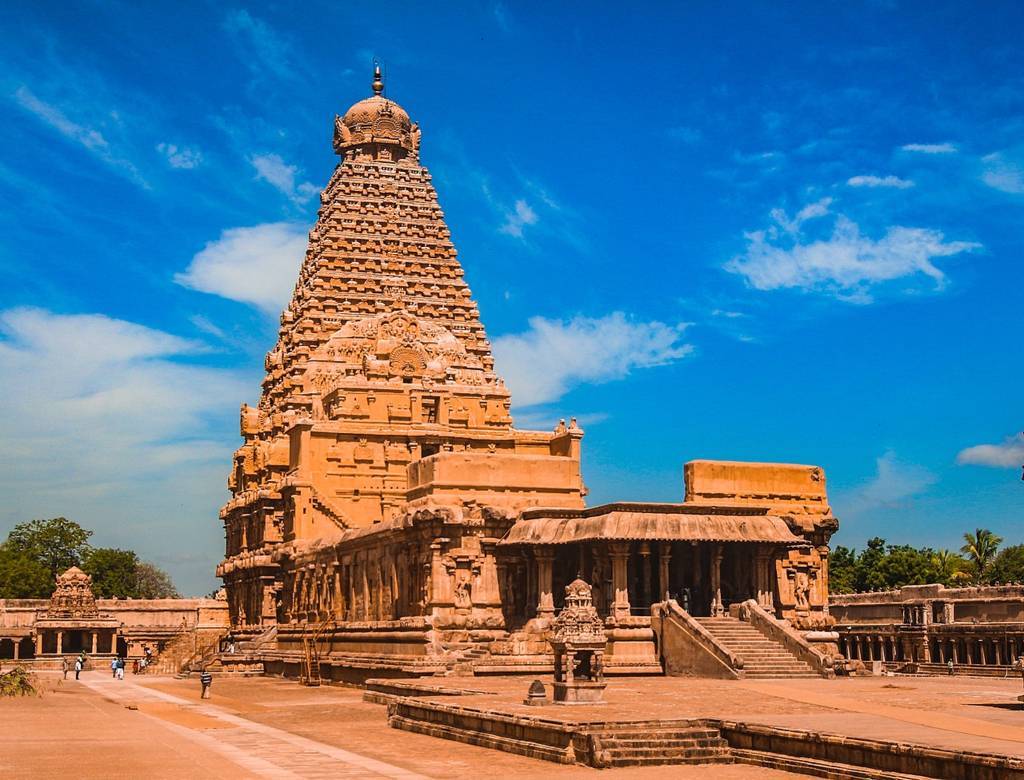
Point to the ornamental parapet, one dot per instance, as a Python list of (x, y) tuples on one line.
[(245, 561)]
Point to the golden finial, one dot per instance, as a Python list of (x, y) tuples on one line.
[(378, 83)]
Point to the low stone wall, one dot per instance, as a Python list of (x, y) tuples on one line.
[(568, 742), (886, 756)]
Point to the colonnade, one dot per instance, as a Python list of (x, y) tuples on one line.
[(961, 650)]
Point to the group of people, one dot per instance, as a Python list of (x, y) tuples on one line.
[(117, 664), (78, 665)]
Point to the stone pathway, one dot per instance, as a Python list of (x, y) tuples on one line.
[(263, 751)]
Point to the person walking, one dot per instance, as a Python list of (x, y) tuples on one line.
[(113, 667), (205, 679), (949, 667), (120, 668), (78, 667), (64, 667)]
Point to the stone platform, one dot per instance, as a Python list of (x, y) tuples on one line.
[(861, 728)]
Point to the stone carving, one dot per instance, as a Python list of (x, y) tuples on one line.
[(73, 597), (578, 642)]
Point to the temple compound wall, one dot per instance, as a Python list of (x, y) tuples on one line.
[(73, 620), (933, 624), (385, 507)]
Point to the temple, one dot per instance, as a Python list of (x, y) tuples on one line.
[(386, 509)]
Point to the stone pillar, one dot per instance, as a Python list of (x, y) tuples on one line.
[(645, 575), (716, 581), (17, 647), (487, 593), (39, 644), (94, 641), (982, 655), (761, 579), (545, 557), (60, 642), (619, 553), (664, 557)]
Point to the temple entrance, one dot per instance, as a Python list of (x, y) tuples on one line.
[(6, 648)]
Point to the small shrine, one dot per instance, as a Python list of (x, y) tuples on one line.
[(578, 643), (72, 622)]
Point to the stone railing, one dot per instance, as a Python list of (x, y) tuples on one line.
[(753, 613), (329, 511), (687, 648)]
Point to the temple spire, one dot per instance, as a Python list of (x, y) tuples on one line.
[(378, 82)]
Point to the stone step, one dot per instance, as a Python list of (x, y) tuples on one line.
[(663, 744), (641, 736), (639, 758)]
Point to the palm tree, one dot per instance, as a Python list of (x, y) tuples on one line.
[(980, 548), (948, 567)]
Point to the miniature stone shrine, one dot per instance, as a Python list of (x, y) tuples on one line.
[(578, 643)]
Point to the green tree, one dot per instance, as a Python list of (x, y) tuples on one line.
[(949, 568), (867, 573), (22, 577), (1008, 565), (113, 572), (980, 548), (842, 563), (905, 565), (58, 544), (152, 582)]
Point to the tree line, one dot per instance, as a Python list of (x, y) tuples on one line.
[(882, 566), (35, 552)]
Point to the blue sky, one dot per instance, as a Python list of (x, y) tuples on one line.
[(709, 231)]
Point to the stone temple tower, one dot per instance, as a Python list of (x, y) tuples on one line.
[(385, 508), (381, 361)]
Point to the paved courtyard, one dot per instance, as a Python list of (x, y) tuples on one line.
[(270, 728)]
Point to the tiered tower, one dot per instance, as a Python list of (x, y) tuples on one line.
[(381, 361)]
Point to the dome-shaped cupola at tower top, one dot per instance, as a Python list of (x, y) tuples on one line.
[(376, 128)]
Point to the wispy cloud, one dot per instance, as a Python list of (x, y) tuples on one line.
[(263, 50), (845, 264), (255, 265), (879, 181), (276, 172), (894, 483), (1003, 172), (89, 138), (129, 418), (553, 356), (515, 220), (184, 158), (943, 148), (1008, 454)]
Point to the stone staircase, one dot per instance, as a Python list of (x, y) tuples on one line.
[(660, 745), (185, 647), (762, 658)]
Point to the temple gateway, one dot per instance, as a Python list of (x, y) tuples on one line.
[(387, 515)]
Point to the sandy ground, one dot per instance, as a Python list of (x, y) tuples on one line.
[(252, 728)]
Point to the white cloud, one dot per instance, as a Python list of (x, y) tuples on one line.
[(553, 356), (263, 50), (844, 264), (275, 171), (183, 157), (1003, 173), (943, 148), (1009, 454), (88, 137), (255, 265), (117, 426), (515, 220), (879, 181), (894, 483)]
